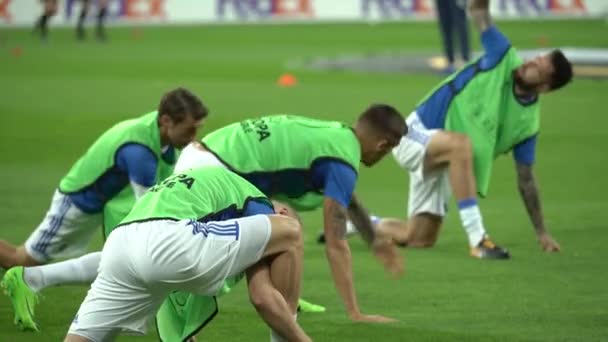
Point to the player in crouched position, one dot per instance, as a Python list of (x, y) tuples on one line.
[(123, 163), (309, 164), (189, 233)]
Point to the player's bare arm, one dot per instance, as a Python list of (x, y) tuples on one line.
[(384, 248), (338, 253), (360, 218), (480, 14), (340, 261), (531, 198)]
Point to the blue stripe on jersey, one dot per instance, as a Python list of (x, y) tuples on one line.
[(257, 208), (433, 111)]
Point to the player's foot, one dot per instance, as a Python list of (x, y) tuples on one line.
[(22, 297), (321, 238), (486, 249), (304, 306)]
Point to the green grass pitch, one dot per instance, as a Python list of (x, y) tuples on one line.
[(56, 98)]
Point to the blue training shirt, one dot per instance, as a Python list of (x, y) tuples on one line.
[(257, 208), (333, 178), (338, 179), (433, 111), (133, 163)]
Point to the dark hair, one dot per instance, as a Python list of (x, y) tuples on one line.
[(386, 120), (180, 102), (562, 70)]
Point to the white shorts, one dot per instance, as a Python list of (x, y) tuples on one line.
[(64, 232), (430, 192), (142, 263), (192, 157)]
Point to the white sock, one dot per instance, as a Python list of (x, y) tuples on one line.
[(352, 230), (473, 224), (81, 270), (275, 337)]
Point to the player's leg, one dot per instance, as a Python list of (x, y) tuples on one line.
[(73, 237), (22, 284), (123, 297), (276, 239), (421, 230), (286, 248), (427, 204), (454, 150), (75, 271), (48, 241), (11, 255), (84, 10), (49, 10), (228, 248), (265, 236), (101, 17), (446, 23), (279, 271), (64, 232), (271, 305), (462, 29)]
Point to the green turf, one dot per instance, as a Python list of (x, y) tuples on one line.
[(55, 99)]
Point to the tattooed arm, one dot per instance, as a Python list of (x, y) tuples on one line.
[(359, 216), (531, 198), (338, 253), (340, 260), (384, 249)]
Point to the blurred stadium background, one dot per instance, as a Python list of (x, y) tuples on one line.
[(340, 55)]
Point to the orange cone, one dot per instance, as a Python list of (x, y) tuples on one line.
[(17, 51), (287, 80)]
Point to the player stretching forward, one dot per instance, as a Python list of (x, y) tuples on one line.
[(297, 160), (128, 158), (486, 109), (310, 164), (189, 233)]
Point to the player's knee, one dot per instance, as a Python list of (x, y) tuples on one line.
[(424, 240), (293, 232), (461, 146), (286, 234)]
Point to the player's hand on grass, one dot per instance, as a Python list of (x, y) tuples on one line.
[(359, 317), (388, 254), (547, 243)]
